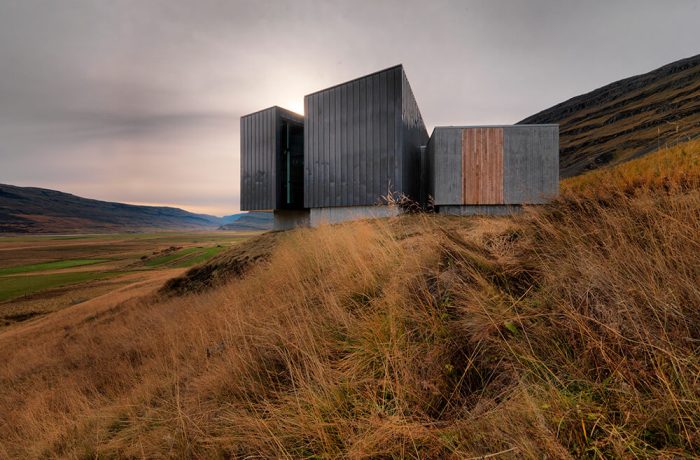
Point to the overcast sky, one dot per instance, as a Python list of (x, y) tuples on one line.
[(139, 101)]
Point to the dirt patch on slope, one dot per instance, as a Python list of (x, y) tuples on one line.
[(233, 263)]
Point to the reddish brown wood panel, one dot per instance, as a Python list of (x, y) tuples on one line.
[(482, 166)]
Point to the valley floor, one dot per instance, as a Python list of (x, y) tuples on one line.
[(43, 274)]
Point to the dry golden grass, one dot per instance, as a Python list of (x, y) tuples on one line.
[(670, 170), (570, 331)]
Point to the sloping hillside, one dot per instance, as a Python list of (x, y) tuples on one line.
[(250, 221), (37, 210), (571, 331), (628, 118)]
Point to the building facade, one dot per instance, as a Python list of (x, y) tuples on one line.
[(272, 155), (492, 169), (362, 141)]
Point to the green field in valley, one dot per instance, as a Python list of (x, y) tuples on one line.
[(18, 286), (56, 265), (186, 257), (36, 269)]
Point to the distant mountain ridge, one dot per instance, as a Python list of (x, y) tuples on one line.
[(628, 118), (38, 210), (251, 221)]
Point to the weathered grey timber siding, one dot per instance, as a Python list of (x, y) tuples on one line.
[(530, 168), (362, 140), (531, 164), (445, 159), (260, 154), (430, 172)]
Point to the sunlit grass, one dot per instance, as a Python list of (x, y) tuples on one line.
[(568, 332), (670, 170), (200, 256)]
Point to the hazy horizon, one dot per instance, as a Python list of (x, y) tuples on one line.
[(139, 102)]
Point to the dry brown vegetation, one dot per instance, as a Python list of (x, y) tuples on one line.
[(570, 331)]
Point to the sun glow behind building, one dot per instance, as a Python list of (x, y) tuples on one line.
[(140, 101)]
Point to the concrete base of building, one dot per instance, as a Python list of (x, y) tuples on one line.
[(479, 210), (287, 219), (335, 215)]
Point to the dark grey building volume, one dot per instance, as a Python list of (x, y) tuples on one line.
[(360, 141)]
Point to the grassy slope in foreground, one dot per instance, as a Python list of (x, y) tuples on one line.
[(570, 331)]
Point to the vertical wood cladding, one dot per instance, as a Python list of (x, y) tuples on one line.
[(363, 141), (414, 136), (493, 165), (445, 159), (482, 166), (260, 157)]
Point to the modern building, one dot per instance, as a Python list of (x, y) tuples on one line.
[(272, 165), (492, 169), (360, 142)]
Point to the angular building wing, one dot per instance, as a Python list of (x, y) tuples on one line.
[(484, 167), (272, 156), (362, 141)]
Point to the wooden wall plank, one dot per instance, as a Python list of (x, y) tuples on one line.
[(482, 166), (446, 158), (414, 136)]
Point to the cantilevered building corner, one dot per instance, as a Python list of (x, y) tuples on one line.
[(272, 161)]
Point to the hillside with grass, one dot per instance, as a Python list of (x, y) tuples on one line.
[(250, 221), (570, 331), (38, 210), (628, 118)]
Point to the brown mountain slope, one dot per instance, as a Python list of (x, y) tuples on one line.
[(38, 210), (628, 118)]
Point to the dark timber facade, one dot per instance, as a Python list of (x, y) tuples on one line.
[(272, 160), (365, 139), (362, 141)]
